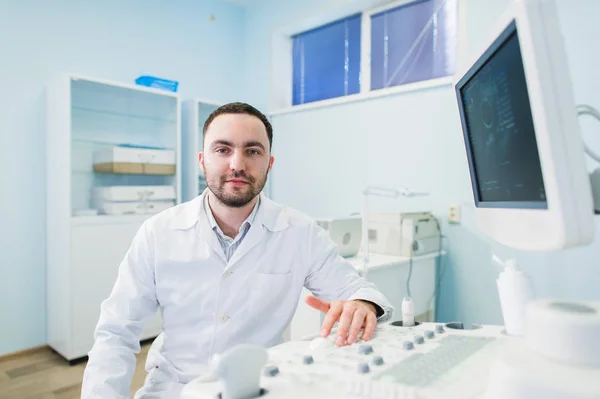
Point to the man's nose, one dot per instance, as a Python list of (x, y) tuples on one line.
[(236, 162)]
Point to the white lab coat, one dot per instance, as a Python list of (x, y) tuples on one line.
[(176, 264)]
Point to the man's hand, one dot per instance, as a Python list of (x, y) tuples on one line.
[(352, 316)]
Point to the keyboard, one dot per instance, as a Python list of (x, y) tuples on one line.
[(424, 369), (420, 362)]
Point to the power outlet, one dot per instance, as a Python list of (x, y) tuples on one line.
[(454, 214)]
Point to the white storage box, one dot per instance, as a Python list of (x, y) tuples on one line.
[(121, 200), (135, 161), (137, 207), (134, 193)]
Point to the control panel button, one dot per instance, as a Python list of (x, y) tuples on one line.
[(429, 334), (377, 360), (363, 368), (271, 371), (308, 359), (408, 345), (365, 349), (439, 328), (419, 339)]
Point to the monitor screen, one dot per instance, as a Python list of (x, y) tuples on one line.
[(498, 128)]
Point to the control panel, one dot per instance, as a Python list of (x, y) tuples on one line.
[(427, 360)]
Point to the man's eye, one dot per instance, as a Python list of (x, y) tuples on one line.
[(253, 152), (222, 150)]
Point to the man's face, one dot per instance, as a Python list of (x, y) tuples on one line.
[(236, 158)]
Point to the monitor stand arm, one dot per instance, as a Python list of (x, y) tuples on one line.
[(595, 175)]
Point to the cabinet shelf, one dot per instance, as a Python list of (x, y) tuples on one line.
[(107, 219), (123, 115), (114, 143)]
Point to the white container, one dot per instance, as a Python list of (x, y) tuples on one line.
[(133, 208), (133, 193), (135, 161), (515, 289), (135, 155)]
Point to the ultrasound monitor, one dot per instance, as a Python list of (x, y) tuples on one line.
[(530, 184)]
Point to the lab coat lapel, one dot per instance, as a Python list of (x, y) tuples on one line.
[(207, 234)]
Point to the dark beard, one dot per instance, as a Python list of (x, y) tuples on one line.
[(238, 200)]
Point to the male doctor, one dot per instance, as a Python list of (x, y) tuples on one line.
[(225, 268)]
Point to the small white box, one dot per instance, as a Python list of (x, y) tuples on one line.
[(135, 161), (135, 155), (134, 193)]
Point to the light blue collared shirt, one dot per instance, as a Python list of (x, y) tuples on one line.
[(229, 244)]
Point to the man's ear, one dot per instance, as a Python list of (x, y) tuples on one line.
[(271, 163)]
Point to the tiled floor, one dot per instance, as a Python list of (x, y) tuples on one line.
[(42, 374)]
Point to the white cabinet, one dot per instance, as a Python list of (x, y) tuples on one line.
[(195, 113), (112, 159)]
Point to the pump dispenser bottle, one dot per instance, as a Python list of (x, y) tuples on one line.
[(515, 289)]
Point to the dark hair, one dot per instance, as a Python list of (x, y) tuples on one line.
[(240, 108)]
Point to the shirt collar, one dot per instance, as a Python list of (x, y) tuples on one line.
[(213, 223)]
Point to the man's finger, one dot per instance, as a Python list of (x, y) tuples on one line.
[(319, 304), (357, 321), (344, 324), (335, 310), (370, 324)]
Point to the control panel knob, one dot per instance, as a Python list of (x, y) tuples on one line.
[(408, 345), (419, 339), (429, 334), (363, 368), (439, 328), (377, 360), (271, 371), (365, 349), (308, 359)]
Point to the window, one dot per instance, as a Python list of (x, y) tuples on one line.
[(413, 42), (407, 41), (326, 61)]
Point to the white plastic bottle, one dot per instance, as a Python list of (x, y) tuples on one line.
[(515, 289), (408, 312)]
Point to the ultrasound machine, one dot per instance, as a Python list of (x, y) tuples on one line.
[(532, 192)]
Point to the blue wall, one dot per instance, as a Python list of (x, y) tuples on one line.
[(110, 39), (414, 139)]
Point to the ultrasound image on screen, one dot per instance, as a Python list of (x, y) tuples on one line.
[(500, 130)]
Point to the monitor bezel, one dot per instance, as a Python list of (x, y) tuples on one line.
[(475, 68)]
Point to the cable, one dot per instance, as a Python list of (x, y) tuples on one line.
[(441, 267), (410, 266), (440, 277)]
